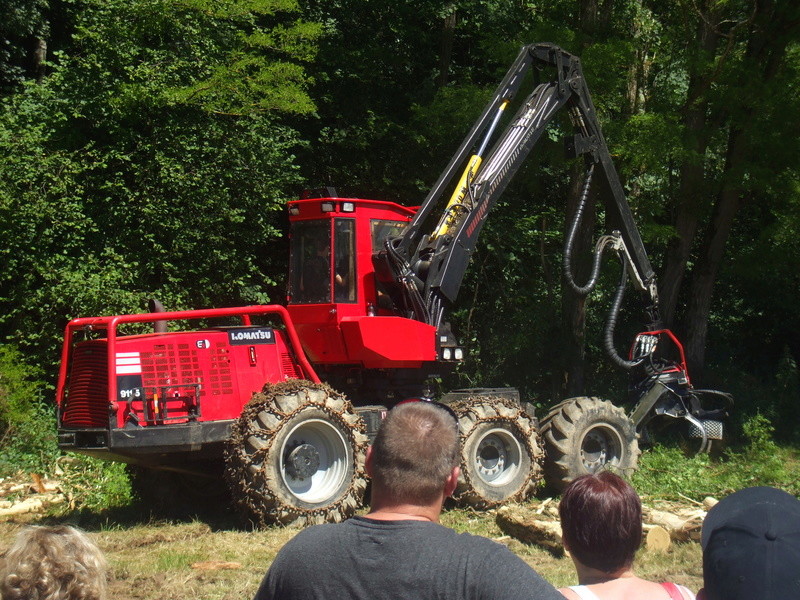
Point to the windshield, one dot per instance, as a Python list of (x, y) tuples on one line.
[(310, 263)]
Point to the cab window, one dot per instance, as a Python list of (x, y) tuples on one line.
[(383, 229), (344, 277), (310, 263)]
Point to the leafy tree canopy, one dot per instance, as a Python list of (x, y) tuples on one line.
[(154, 160)]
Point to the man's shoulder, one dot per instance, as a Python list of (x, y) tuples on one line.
[(315, 533), (430, 537), (479, 541)]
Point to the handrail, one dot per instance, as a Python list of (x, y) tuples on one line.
[(111, 323)]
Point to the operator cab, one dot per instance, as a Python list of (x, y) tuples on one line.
[(332, 242), (334, 298)]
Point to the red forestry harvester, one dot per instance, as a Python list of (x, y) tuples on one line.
[(288, 397)]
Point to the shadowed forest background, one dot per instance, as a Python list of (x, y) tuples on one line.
[(147, 148)]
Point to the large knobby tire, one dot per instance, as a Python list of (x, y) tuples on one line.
[(587, 435), (297, 455), (500, 452)]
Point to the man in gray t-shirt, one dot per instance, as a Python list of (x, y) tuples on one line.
[(399, 550)]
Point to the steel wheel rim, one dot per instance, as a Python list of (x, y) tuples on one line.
[(497, 459), (331, 449), (601, 447)]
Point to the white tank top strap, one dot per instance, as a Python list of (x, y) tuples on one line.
[(584, 593)]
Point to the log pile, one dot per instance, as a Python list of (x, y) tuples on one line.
[(663, 525), (21, 495)]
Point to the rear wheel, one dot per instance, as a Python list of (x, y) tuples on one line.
[(500, 452), (587, 435), (297, 455)]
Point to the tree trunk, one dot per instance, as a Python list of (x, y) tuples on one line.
[(448, 33), (39, 58), (692, 193), (639, 70), (766, 49), (705, 273), (573, 306), (595, 21)]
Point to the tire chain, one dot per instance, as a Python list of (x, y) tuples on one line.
[(508, 411), (253, 492)]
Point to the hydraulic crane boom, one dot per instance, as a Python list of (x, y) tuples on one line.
[(428, 266)]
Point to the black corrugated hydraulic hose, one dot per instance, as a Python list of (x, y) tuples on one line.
[(405, 276), (581, 290), (611, 324)]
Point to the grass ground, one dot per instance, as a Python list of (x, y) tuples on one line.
[(152, 560)]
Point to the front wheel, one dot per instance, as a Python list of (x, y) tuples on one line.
[(587, 435), (500, 452), (297, 455)]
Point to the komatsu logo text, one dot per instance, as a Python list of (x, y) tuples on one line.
[(254, 335)]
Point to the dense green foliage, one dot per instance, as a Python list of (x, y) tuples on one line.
[(130, 171), (150, 151), (27, 419)]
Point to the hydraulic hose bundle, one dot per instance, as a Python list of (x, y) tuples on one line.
[(582, 290)]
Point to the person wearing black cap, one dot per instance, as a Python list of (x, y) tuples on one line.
[(399, 550), (751, 547)]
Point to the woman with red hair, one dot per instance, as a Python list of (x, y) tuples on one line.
[(601, 522)]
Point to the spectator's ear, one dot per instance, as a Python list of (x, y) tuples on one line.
[(368, 462), (701, 595), (452, 482)]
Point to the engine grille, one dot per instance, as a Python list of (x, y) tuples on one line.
[(86, 401), (220, 378), (170, 364)]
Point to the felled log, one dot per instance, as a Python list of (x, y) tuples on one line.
[(681, 528), (524, 525), (660, 527), (657, 539), (30, 504)]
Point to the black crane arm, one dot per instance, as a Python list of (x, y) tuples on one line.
[(429, 265)]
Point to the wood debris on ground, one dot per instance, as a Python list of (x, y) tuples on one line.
[(30, 493), (216, 565), (663, 523)]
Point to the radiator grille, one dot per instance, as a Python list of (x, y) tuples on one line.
[(170, 364), (86, 401), (221, 380)]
